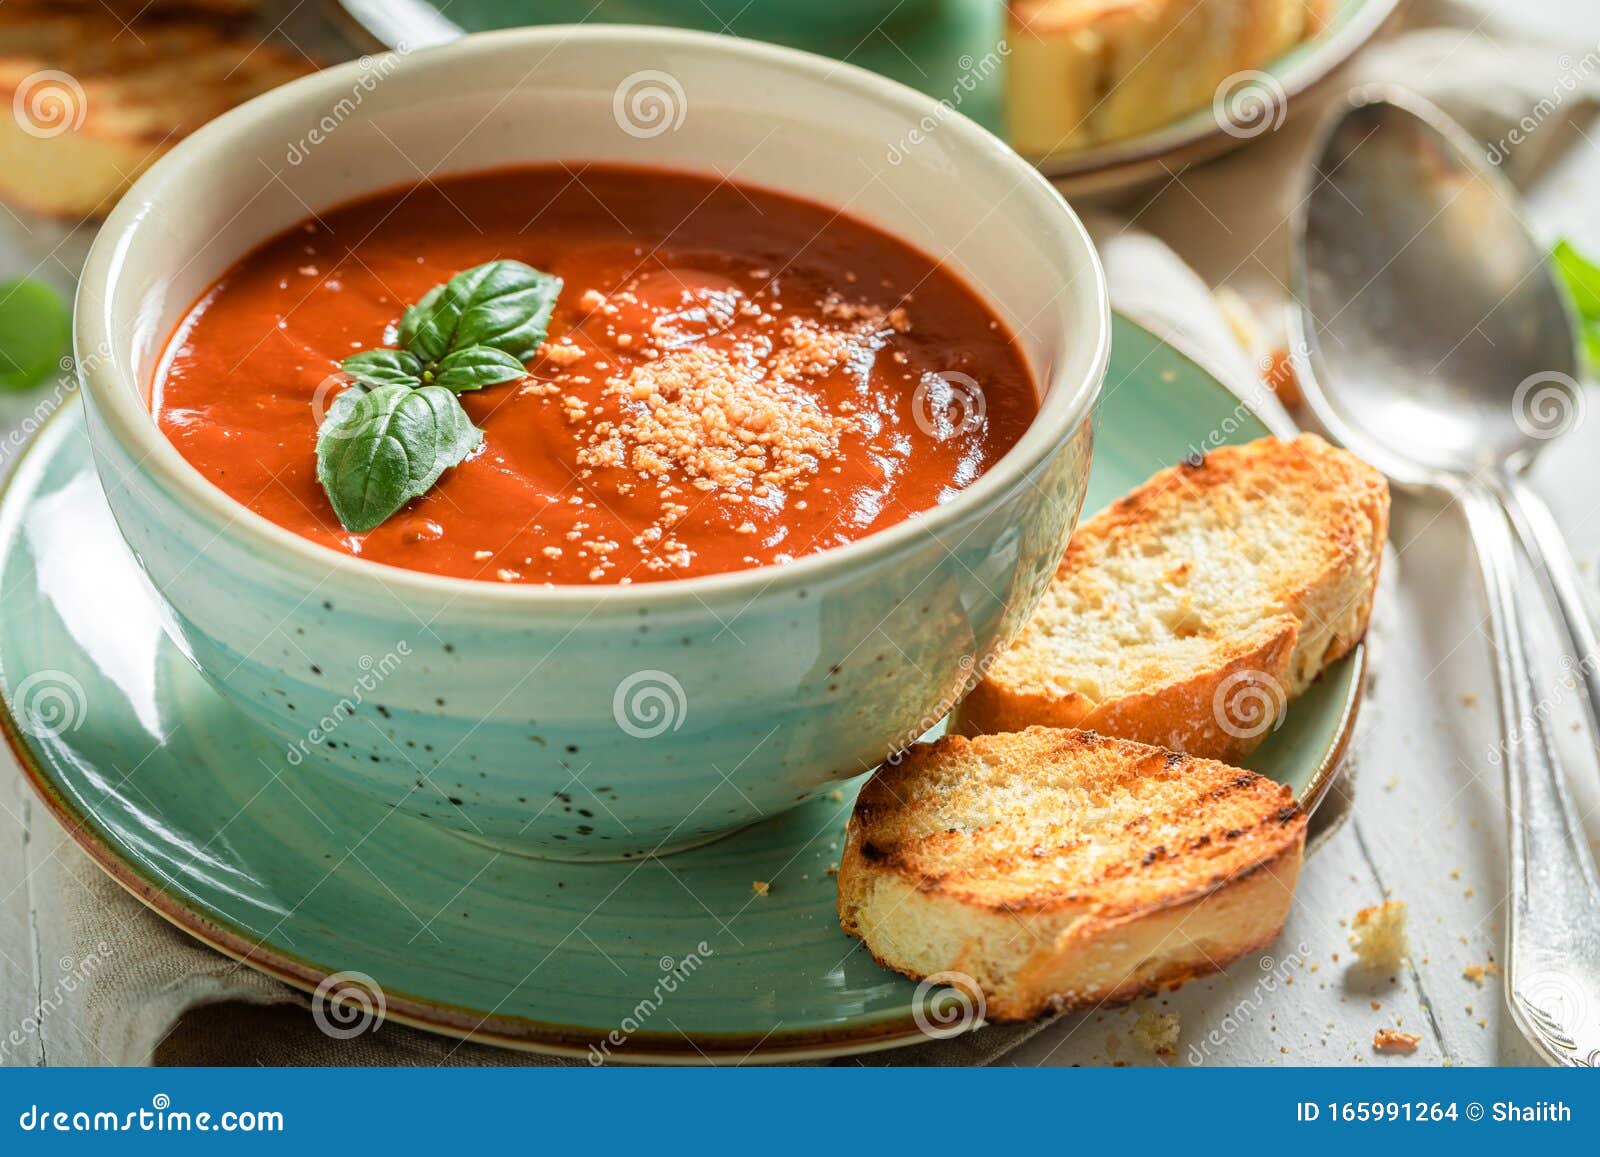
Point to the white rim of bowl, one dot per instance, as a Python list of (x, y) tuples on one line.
[(1062, 407)]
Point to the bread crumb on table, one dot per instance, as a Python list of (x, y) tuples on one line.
[(760, 887), (1378, 935), (1389, 1040), (1477, 972), (1157, 1032)]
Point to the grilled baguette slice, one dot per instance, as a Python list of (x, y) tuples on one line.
[(96, 103), (1189, 612), (1086, 72), (1062, 869)]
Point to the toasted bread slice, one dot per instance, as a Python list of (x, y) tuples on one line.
[(1085, 72), (1188, 613), (96, 102), (1062, 869)]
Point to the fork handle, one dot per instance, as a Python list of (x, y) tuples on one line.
[(1558, 574), (1553, 934)]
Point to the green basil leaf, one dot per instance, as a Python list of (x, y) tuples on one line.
[(1581, 277), (425, 329), (384, 368), (505, 305), (35, 332), (475, 367), (385, 447)]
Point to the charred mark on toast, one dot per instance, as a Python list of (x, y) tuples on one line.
[(1287, 815), (872, 853), (1159, 852)]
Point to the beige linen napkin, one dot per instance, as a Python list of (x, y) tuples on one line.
[(154, 995)]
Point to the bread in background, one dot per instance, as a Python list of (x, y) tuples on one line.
[(1085, 72), (94, 103)]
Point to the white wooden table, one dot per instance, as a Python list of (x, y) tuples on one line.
[(1427, 825)]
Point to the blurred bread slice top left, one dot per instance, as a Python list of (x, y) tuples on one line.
[(89, 99)]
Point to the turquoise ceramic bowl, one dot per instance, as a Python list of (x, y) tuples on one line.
[(684, 709)]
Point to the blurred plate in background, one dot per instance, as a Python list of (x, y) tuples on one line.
[(949, 49)]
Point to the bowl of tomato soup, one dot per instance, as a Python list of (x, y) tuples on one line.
[(592, 440)]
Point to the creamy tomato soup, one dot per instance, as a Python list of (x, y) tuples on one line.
[(731, 378)]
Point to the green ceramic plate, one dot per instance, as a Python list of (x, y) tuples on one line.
[(175, 795), (948, 49)]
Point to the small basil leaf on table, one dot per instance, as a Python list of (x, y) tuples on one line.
[(1582, 280), (387, 446), (475, 367), (35, 331), (384, 368), (505, 305)]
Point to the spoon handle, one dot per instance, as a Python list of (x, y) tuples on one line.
[(1553, 933), (1558, 573)]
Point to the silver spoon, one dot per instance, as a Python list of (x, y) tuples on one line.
[(1434, 342)]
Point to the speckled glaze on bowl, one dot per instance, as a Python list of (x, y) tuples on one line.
[(685, 709)]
